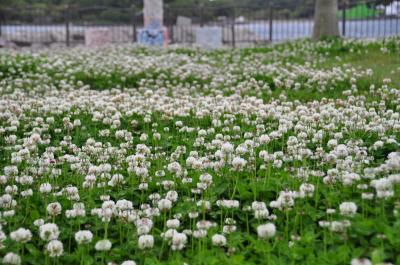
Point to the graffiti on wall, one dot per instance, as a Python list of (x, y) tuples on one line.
[(154, 33)]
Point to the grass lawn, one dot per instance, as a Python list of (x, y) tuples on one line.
[(285, 154)]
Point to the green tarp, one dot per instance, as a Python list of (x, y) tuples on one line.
[(359, 12)]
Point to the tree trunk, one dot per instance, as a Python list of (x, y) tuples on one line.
[(325, 19)]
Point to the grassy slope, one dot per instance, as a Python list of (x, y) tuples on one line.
[(384, 65)]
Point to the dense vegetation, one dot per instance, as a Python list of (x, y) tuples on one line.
[(120, 10), (286, 154)]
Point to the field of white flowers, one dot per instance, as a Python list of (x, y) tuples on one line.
[(127, 155)]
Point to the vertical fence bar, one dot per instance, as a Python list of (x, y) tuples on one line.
[(372, 22), (134, 24), (165, 22), (1, 22), (170, 24), (344, 18), (233, 27), (367, 23), (201, 15), (67, 37), (397, 24), (384, 24), (67, 33), (271, 13)]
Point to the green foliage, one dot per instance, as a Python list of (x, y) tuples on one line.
[(256, 73)]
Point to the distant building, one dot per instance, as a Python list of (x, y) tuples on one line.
[(240, 19), (393, 9)]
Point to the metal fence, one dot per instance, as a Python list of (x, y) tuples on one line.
[(239, 25), (66, 25)]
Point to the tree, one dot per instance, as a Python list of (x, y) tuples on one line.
[(325, 19)]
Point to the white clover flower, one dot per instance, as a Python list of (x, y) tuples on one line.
[(3, 236), (45, 188), (83, 237), (193, 215), (206, 205), (175, 168), (103, 245), (143, 229), (164, 205), (116, 180), (238, 163), (256, 206), (143, 137), (360, 261), (206, 178), (227, 229), (330, 211), (266, 230), (12, 259), (230, 204), (332, 143), (339, 226), (144, 222), (146, 242), (261, 214), (128, 262), (173, 223), (172, 196), (168, 234), (264, 139), (10, 170), (218, 240), (27, 193), (55, 248), (307, 189), (277, 163), (348, 208), (393, 161), (54, 208), (21, 235), (178, 241), (394, 178), (227, 148), (367, 196), (199, 233), (204, 225), (49, 232)]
